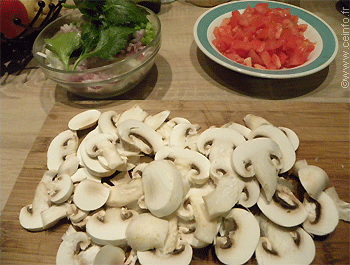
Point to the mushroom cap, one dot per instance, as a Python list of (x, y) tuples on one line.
[(163, 187), (110, 255), (314, 180), (141, 239), (323, 217), (60, 189), (284, 209), (240, 237)]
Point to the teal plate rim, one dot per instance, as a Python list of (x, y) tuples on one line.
[(326, 55)]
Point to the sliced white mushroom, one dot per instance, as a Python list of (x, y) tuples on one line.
[(140, 135), (64, 144), (103, 147), (184, 135), (292, 136), (60, 188), (284, 209), (76, 215), (343, 207), (245, 131), (141, 239), (163, 187), (182, 255), (250, 193), (166, 128), (214, 141), (279, 245), (107, 123), (110, 255), (314, 179), (262, 158), (30, 215), (72, 244), (323, 215), (226, 194), (194, 166), (206, 228), (108, 227), (274, 133), (240, 233), (135, 112), (155, 121), (253, 121), (84, 120), (125, 193), (90, 195), (69, 166), (54, 214)]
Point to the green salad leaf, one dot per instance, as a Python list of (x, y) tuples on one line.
[(105, 30), (64, 45)]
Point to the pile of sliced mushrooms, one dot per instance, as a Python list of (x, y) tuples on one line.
[(148, 189)]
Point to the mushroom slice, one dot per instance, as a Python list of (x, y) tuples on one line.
[(280, 245), (71, 245), (108, 227), (90, 195), (69, 166), (214, 140), (250, 193), (194, 166), (140, 135), (54, 214), (245, 131), (184, 135), (64, 144), (60, 188), (239, 238), (181, 255), (135, 113), (30, 215), (276, 134), (141, 239), (110, 255), (107, 123), (155, 121), (284, 209), (314, 179), (292, 136), (103, 147), (343, 207), (262, 158), (84, 120), (206, 228), (323, 215), (252, 121), (226, 194), (123, 194), (163, 187)]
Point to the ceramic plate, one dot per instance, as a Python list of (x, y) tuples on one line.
[(318, 31)]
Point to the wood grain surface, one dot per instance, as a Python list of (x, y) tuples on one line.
[(323, 129)]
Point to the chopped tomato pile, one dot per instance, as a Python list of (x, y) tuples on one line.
[(263, 38)]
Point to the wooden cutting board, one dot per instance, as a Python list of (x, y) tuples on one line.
[(323, 130)]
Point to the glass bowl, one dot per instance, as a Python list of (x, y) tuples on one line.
[(106, 81)]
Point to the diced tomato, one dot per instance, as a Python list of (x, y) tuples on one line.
[(262, 8), (263, 38)]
